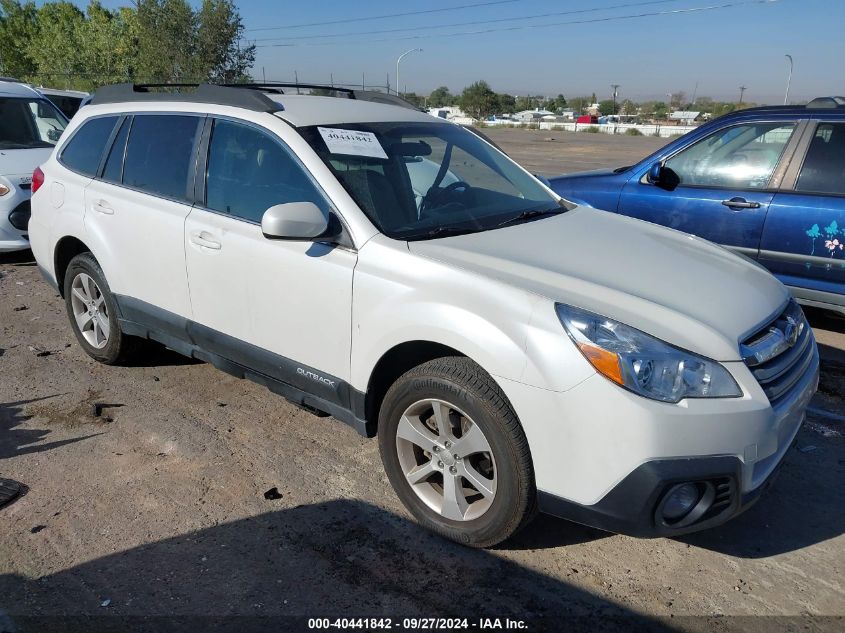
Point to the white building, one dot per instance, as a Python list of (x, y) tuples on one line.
[(528, 116)]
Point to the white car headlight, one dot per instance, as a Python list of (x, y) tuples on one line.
[(644, 364)]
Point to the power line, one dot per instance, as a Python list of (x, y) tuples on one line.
[(384, 17), (474, 22), (726, 5)]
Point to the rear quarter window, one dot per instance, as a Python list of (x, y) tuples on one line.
[(84, 150)]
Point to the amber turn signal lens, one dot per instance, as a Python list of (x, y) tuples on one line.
[(606, 363), (4, 190)]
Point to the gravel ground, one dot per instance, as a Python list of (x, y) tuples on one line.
[(157, 507)]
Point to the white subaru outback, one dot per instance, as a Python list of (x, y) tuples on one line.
[(512, 351)]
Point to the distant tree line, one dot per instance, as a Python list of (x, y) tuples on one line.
[(480, 101), (154, 41)]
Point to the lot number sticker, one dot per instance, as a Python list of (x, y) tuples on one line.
[(352, 142)]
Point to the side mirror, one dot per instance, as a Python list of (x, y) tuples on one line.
[(294, 221), (655, 173)]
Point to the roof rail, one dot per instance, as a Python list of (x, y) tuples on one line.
[(277, 87), (199, 93), (247, 95), (350, 93), (827, 102)]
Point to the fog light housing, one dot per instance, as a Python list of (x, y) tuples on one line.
[(680, 501), (19, 218)]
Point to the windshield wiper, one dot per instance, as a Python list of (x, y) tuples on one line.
[(441, 231), (530, 215)]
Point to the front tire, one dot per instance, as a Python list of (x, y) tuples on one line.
[(455, 453), (92, 311)]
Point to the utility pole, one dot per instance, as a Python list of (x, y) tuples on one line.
[(615, 92), (742, 90), (788, 80)]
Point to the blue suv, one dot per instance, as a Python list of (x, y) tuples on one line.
[(766, 182)]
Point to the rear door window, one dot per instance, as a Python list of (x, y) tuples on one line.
[(160, 154), (83, 152), (823, 170)]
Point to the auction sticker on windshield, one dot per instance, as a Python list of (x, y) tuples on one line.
[(352, 142)]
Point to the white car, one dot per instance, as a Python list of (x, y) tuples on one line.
[(29, 127), (68, 101), (511, 351)]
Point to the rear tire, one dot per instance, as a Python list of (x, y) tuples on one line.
[(455, 453), (92, 311)]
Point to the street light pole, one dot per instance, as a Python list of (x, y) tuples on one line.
[(615, 92), (788, 80), (408, 52)]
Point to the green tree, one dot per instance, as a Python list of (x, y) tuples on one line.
[(578, 104), (18, 24), (607, 107), (57, 45), (478, 100), (166, 35), (506, 103), (628, 107), (109, 50), (527, 103), (440, 97), (557, 104), (219, 56)]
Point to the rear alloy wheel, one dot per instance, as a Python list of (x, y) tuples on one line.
[(89, 310), (455, 452), (93, 312)]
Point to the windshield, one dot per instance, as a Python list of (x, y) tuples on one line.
[(29, 123), (421, 180)]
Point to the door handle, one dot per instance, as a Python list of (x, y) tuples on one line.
[(740, 203), (103, 207), (204, 239)]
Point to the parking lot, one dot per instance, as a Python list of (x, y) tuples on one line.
[(153, 502)]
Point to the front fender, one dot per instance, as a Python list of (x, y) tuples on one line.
[(400, 297)]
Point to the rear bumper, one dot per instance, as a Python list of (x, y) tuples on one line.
[(10, 246)]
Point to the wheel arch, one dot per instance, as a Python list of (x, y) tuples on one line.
[(66, 249), (395, 362)]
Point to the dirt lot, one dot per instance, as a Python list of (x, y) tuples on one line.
[(157, 507)]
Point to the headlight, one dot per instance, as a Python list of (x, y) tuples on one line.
[(644, 364)]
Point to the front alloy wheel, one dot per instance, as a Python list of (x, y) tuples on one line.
[(446, 459), (456, 453)]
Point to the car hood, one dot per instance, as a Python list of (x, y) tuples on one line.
[(677, 287), (593, 173), (22, 162)]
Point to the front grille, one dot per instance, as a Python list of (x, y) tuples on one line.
[(780, 353), (19, 217)]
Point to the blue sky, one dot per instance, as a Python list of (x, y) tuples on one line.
[(721, 49)]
